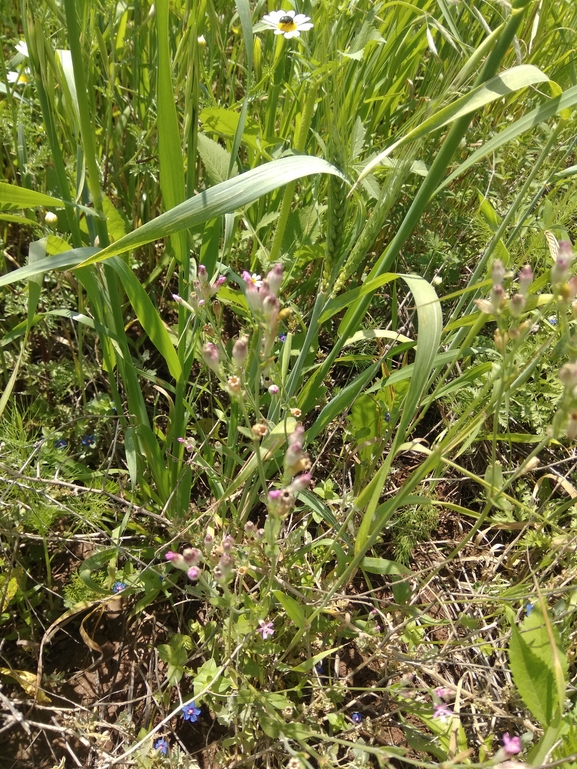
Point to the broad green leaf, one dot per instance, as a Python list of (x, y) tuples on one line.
[(499, 86), (534, 680), (383, 566), (215, 158), (17, 219), (221, 199), (294, 610)]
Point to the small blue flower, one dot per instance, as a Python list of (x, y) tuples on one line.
[(282, 337), (552, 320), (387, 417), (88, 440), (319, 667), (529, 608), (356, 718), (60, 443), (191, 712), (118, 587), (161, 745)]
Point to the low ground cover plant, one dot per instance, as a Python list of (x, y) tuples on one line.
[(290, 384)]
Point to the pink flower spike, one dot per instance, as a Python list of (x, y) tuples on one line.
[(512, 745), (193, 573), (266, 629), (170, 556), (441, 692)]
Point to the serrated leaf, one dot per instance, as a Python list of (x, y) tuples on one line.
[(534, 680)]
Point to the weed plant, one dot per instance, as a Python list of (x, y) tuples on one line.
[(290, 383)]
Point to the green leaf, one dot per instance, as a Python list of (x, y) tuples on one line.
[(294, 610), (215, 158), (12, 195), (534, 680), (221, 199), (147, 315), (383, 566)]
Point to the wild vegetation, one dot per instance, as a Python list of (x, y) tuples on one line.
[(289, 359)]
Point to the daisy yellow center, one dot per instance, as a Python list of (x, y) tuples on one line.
[(286, 24)]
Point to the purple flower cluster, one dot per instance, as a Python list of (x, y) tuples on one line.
[(203, 290), (262, 299)]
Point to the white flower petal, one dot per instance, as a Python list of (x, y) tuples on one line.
[(12, 77), (22, 48), (300, 18), (273, 17), (278, 32), (305, 27), (294, 33)]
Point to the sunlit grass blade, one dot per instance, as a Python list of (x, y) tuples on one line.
[(499, 86)]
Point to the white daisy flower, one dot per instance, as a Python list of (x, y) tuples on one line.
[(287, 23), (17, 77), (22, 48), (256, 279)]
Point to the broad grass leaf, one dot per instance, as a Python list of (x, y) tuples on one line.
[(20, 197)]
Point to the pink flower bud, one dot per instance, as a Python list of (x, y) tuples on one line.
[(192, 555), (177, 560), (220, 281), (211, 357), (297, 435), (274, 279), (252, 296), (300, 483), (193, 573), (497, 297), (497, 272), (273, 389), (525, 279), (560, 270), (516, 305), (271, 308), (202, 274)]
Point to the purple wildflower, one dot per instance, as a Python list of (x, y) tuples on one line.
[(266, 629), (356, 718), (442, 711), (512, 745), (118, 587)]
